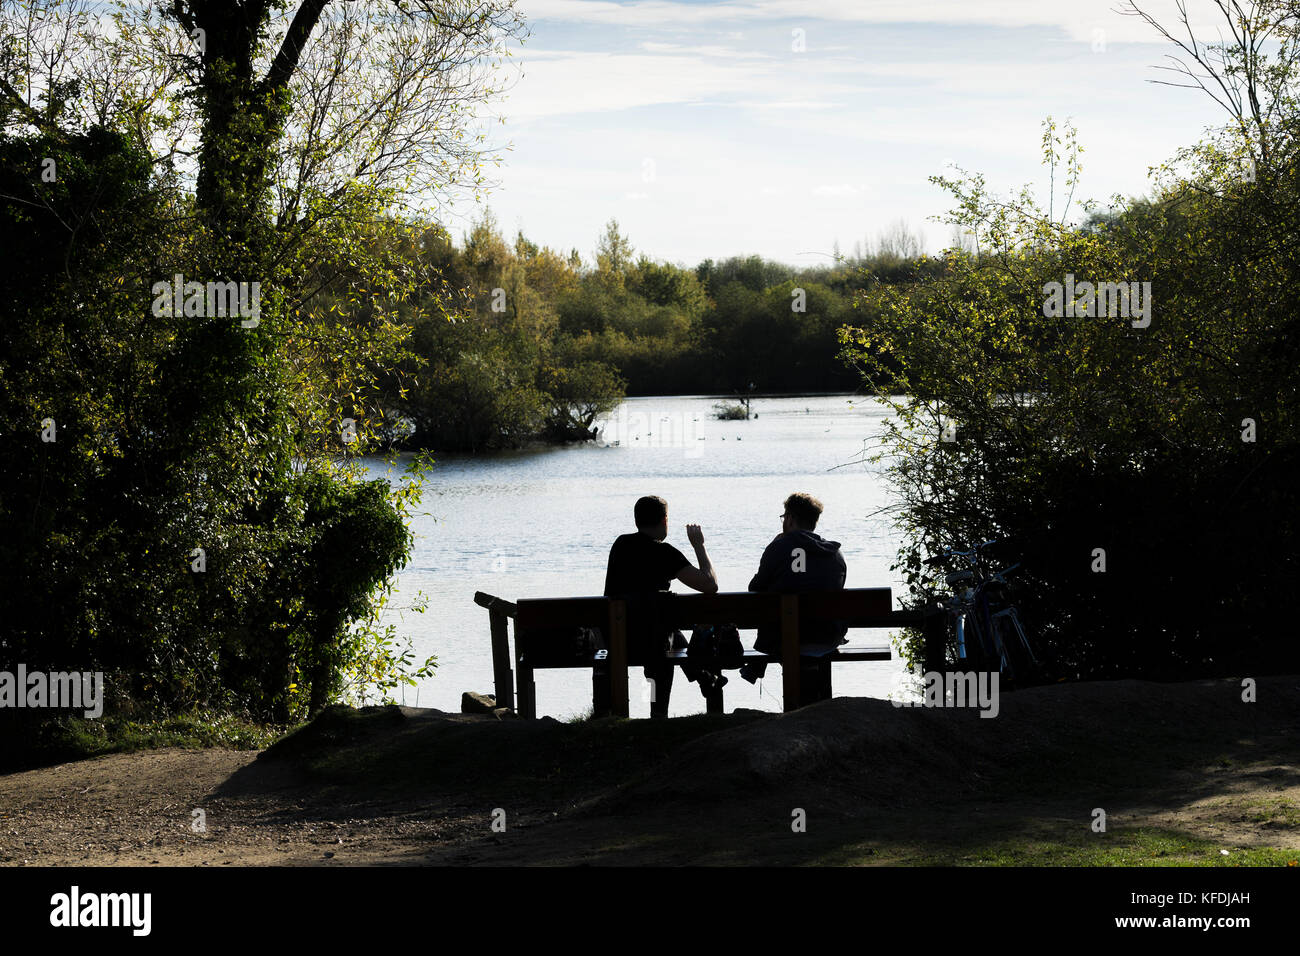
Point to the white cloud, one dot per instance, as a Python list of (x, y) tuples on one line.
[(558, 82), (787, 105), (602, 82), (1078, 18), (651, 46), (841, 190)]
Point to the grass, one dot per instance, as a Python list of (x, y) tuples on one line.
[(729, 413), (76, 738), (1277, 810), (1062, 845)]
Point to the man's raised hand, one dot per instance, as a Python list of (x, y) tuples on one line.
[(694, 535)]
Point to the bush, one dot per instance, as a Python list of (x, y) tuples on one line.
[(154, 460), (1106, 455)]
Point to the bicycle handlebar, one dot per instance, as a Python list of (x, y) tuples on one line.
[(960, 554), (971, 556)]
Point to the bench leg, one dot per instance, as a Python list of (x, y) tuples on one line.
[(791, 694), (600, 690), (502, 678), (713, 702), (618, 658), (527, 691), (814, 683)]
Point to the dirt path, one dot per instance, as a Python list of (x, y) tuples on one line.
[(875, 783), (137, 809)]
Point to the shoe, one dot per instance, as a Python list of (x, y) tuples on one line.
[(750, 673), (711, 682)]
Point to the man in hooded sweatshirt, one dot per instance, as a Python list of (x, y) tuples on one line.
[(799, 560)]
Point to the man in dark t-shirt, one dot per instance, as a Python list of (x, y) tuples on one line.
[(642, 564), (638, 562)]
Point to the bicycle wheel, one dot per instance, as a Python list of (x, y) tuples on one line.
[(1022, 664), (981, 651), (1023, 638)]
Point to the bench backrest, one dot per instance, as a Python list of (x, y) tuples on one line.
[(856, 607), (547, 630)]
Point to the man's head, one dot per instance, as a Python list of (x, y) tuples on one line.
[(651, 513), (801, 512)]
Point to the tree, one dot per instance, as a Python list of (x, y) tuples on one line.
[(1107, 444), (82, 490), (613, 257), (300, 134), (577, 396), (664, 284), (1255, 89), (899, 242)]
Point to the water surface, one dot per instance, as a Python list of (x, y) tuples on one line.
[(540, 523)]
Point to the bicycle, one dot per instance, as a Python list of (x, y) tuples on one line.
[(979, 608)]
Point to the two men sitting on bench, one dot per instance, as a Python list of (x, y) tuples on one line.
[(642, 564)]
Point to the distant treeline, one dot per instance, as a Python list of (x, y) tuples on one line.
[(536, 343)]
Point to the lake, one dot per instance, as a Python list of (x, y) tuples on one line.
[(539, 523)]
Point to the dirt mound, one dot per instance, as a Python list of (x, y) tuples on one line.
[(391, 748), (401, 750), (867, 744), (855, 751)]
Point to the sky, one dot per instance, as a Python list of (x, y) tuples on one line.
[(781, 127)]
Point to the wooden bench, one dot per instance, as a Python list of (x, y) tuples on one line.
[(537, 621)]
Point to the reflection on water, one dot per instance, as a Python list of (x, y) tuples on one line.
[(539, 523)]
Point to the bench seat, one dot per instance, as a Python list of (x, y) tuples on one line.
[(846, 652)]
